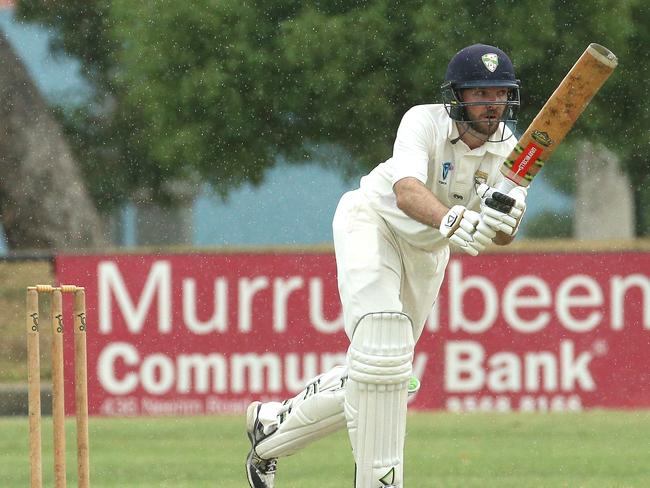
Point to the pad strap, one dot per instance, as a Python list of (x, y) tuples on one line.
[(311, 415)]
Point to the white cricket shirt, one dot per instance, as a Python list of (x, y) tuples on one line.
[(423, 150)]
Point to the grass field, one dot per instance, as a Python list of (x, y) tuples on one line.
[(594, 449)]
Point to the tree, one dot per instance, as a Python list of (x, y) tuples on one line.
[(217, 90), (43, 198)]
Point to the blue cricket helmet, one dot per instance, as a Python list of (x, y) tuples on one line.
[(480, 65)]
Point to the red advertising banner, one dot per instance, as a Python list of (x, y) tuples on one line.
[(207, 333)]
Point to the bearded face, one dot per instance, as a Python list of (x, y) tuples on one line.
[(485, 108)]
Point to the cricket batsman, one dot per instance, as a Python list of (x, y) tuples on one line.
[(392, 241)]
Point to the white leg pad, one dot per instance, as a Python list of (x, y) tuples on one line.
[(314, 413), (380, 361)]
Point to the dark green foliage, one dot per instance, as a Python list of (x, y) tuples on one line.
[(216, 90), (550, 225)]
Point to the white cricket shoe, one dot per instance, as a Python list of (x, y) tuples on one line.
[(260, 472)]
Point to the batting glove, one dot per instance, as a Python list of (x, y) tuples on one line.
[(466, 229), (501, 212)]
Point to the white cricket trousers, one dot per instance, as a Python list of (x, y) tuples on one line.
[(378, 270)]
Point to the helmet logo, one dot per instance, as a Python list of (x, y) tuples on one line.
[(491, 61)]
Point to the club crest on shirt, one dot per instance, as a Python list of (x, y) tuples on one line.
[(446, 168), (480, 177)]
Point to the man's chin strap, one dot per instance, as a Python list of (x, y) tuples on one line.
[(379, 367)]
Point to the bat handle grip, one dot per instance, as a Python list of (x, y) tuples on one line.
[(506, 185)]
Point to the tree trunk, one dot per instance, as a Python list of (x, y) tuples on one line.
[(43, 198), (604, 200)]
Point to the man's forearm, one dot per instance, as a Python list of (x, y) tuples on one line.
[(416, 201)]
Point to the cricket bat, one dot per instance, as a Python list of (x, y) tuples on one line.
[(557, 116)]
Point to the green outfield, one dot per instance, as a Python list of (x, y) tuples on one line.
[(595, 449)]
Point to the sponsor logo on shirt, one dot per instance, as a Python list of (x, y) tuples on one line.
[(446, 168)]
